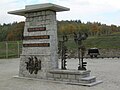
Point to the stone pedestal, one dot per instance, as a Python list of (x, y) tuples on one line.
[(76, 77), (41, 31), (39, 52), (39, 57)]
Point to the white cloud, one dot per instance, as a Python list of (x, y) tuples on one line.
[(8, 5), (86, 10), (91, 10)]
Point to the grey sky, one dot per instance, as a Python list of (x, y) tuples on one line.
[(104, 11)]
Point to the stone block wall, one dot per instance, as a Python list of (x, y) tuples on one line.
[(105, 53), (39, 24), (68, 75)]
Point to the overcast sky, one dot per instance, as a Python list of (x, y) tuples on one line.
[(104, 11)]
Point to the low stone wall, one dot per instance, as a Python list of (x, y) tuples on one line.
[(109, 52), (103, 53), (68, 75)]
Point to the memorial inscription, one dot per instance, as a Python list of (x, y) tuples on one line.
[(36, 37), (36, 29), (37, 45)]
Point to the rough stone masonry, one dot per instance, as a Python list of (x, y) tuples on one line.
[(40, 39), (39, 58)]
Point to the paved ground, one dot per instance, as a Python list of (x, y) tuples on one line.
[(105, 69)]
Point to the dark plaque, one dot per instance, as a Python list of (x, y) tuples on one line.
[(37, 45), (36, 29), (36, 37)]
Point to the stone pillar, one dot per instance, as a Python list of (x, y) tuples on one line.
[(39, 52), (40, 24)]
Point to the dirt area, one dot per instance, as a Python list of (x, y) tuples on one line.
[(104, 69)]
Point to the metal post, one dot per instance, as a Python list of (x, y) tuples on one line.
[(6, 49), (63, 52), (82, 58), (62, 55), (79, 58), (18, 46)]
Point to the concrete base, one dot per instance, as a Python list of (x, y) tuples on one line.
[(77, 77), (72, 77), (60, 82), (89, 85)]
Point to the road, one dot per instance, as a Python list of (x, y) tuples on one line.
[(104, 69)]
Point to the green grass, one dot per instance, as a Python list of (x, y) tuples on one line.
[(12, 49), (110, 42), (103, 42)]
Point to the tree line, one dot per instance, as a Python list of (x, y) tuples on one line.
[(14, 31), (92, 29)]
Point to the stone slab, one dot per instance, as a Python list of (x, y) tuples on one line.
[(65, 76), (61, 82), (71, 71), (89, 85), (56, 75), (39, 7), (71, 76), (88, 78)]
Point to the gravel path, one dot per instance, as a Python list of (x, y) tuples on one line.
[(104, 69)]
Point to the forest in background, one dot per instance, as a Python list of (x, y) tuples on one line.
[(99, 35), (102, 36), (13, 31), (92, 29)]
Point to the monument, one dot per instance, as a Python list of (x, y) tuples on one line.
[(39, 58)]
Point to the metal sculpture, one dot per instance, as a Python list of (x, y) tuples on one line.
[(33, 65), (78, 38), (62, 49)]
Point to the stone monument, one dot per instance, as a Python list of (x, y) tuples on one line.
[(39, 57)]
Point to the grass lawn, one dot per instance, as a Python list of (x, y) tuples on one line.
[(105, 42), (12, 50), (101, 42)]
